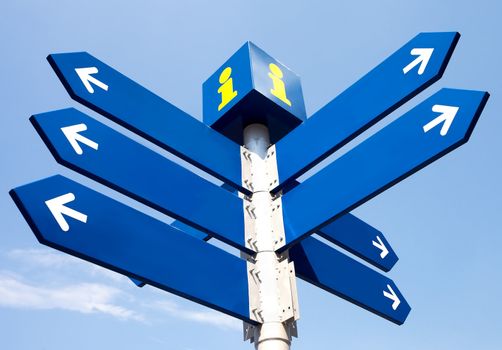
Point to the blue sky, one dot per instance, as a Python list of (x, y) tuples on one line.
[(442, 221)]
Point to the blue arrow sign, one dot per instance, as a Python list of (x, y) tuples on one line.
[(81, 222), (106, 91), (403, 75), (361, 239), (327, 268), (435, 127), (97, 151), (347, 232)]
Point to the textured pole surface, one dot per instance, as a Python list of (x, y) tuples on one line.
[(272, 334)]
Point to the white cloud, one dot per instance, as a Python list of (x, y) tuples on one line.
[(86, 298), (53, 286), (42, 257), (213, 318), (52, 259)]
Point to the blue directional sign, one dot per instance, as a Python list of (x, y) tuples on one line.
[(103, 89), (347, 232), (325, 267), (427, 132), (361, 239), (407, 72), (358, 238), (97, 151), (79, 221)]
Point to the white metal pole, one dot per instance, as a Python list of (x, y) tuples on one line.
[(273, 333)]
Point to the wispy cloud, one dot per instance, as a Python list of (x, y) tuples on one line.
[(47, 258), (42, 257), (208, 317), (85, 298), (52, 285)]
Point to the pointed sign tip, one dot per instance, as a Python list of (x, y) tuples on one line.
[(482, 98), (15, 195)]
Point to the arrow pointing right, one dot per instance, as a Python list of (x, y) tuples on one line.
[(387, 157), (383, 90), (448, 113), (392, 296), (72, 134), (350, 280), (424, 55), (85, 75), (333, 271), (357, 237), (380, 245), (58, 208)]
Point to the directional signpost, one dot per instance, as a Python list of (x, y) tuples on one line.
[(256, 139)]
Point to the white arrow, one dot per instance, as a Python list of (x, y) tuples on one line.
[(72, 134), (58, 208), (392, 296), (424, 55), (381, 246), (85, 75), (447, 115)]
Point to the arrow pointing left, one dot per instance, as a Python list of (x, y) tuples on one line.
[(58, 208), (138, 172), (148, 115), (72, 134), (131, 243), (85, 75)]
